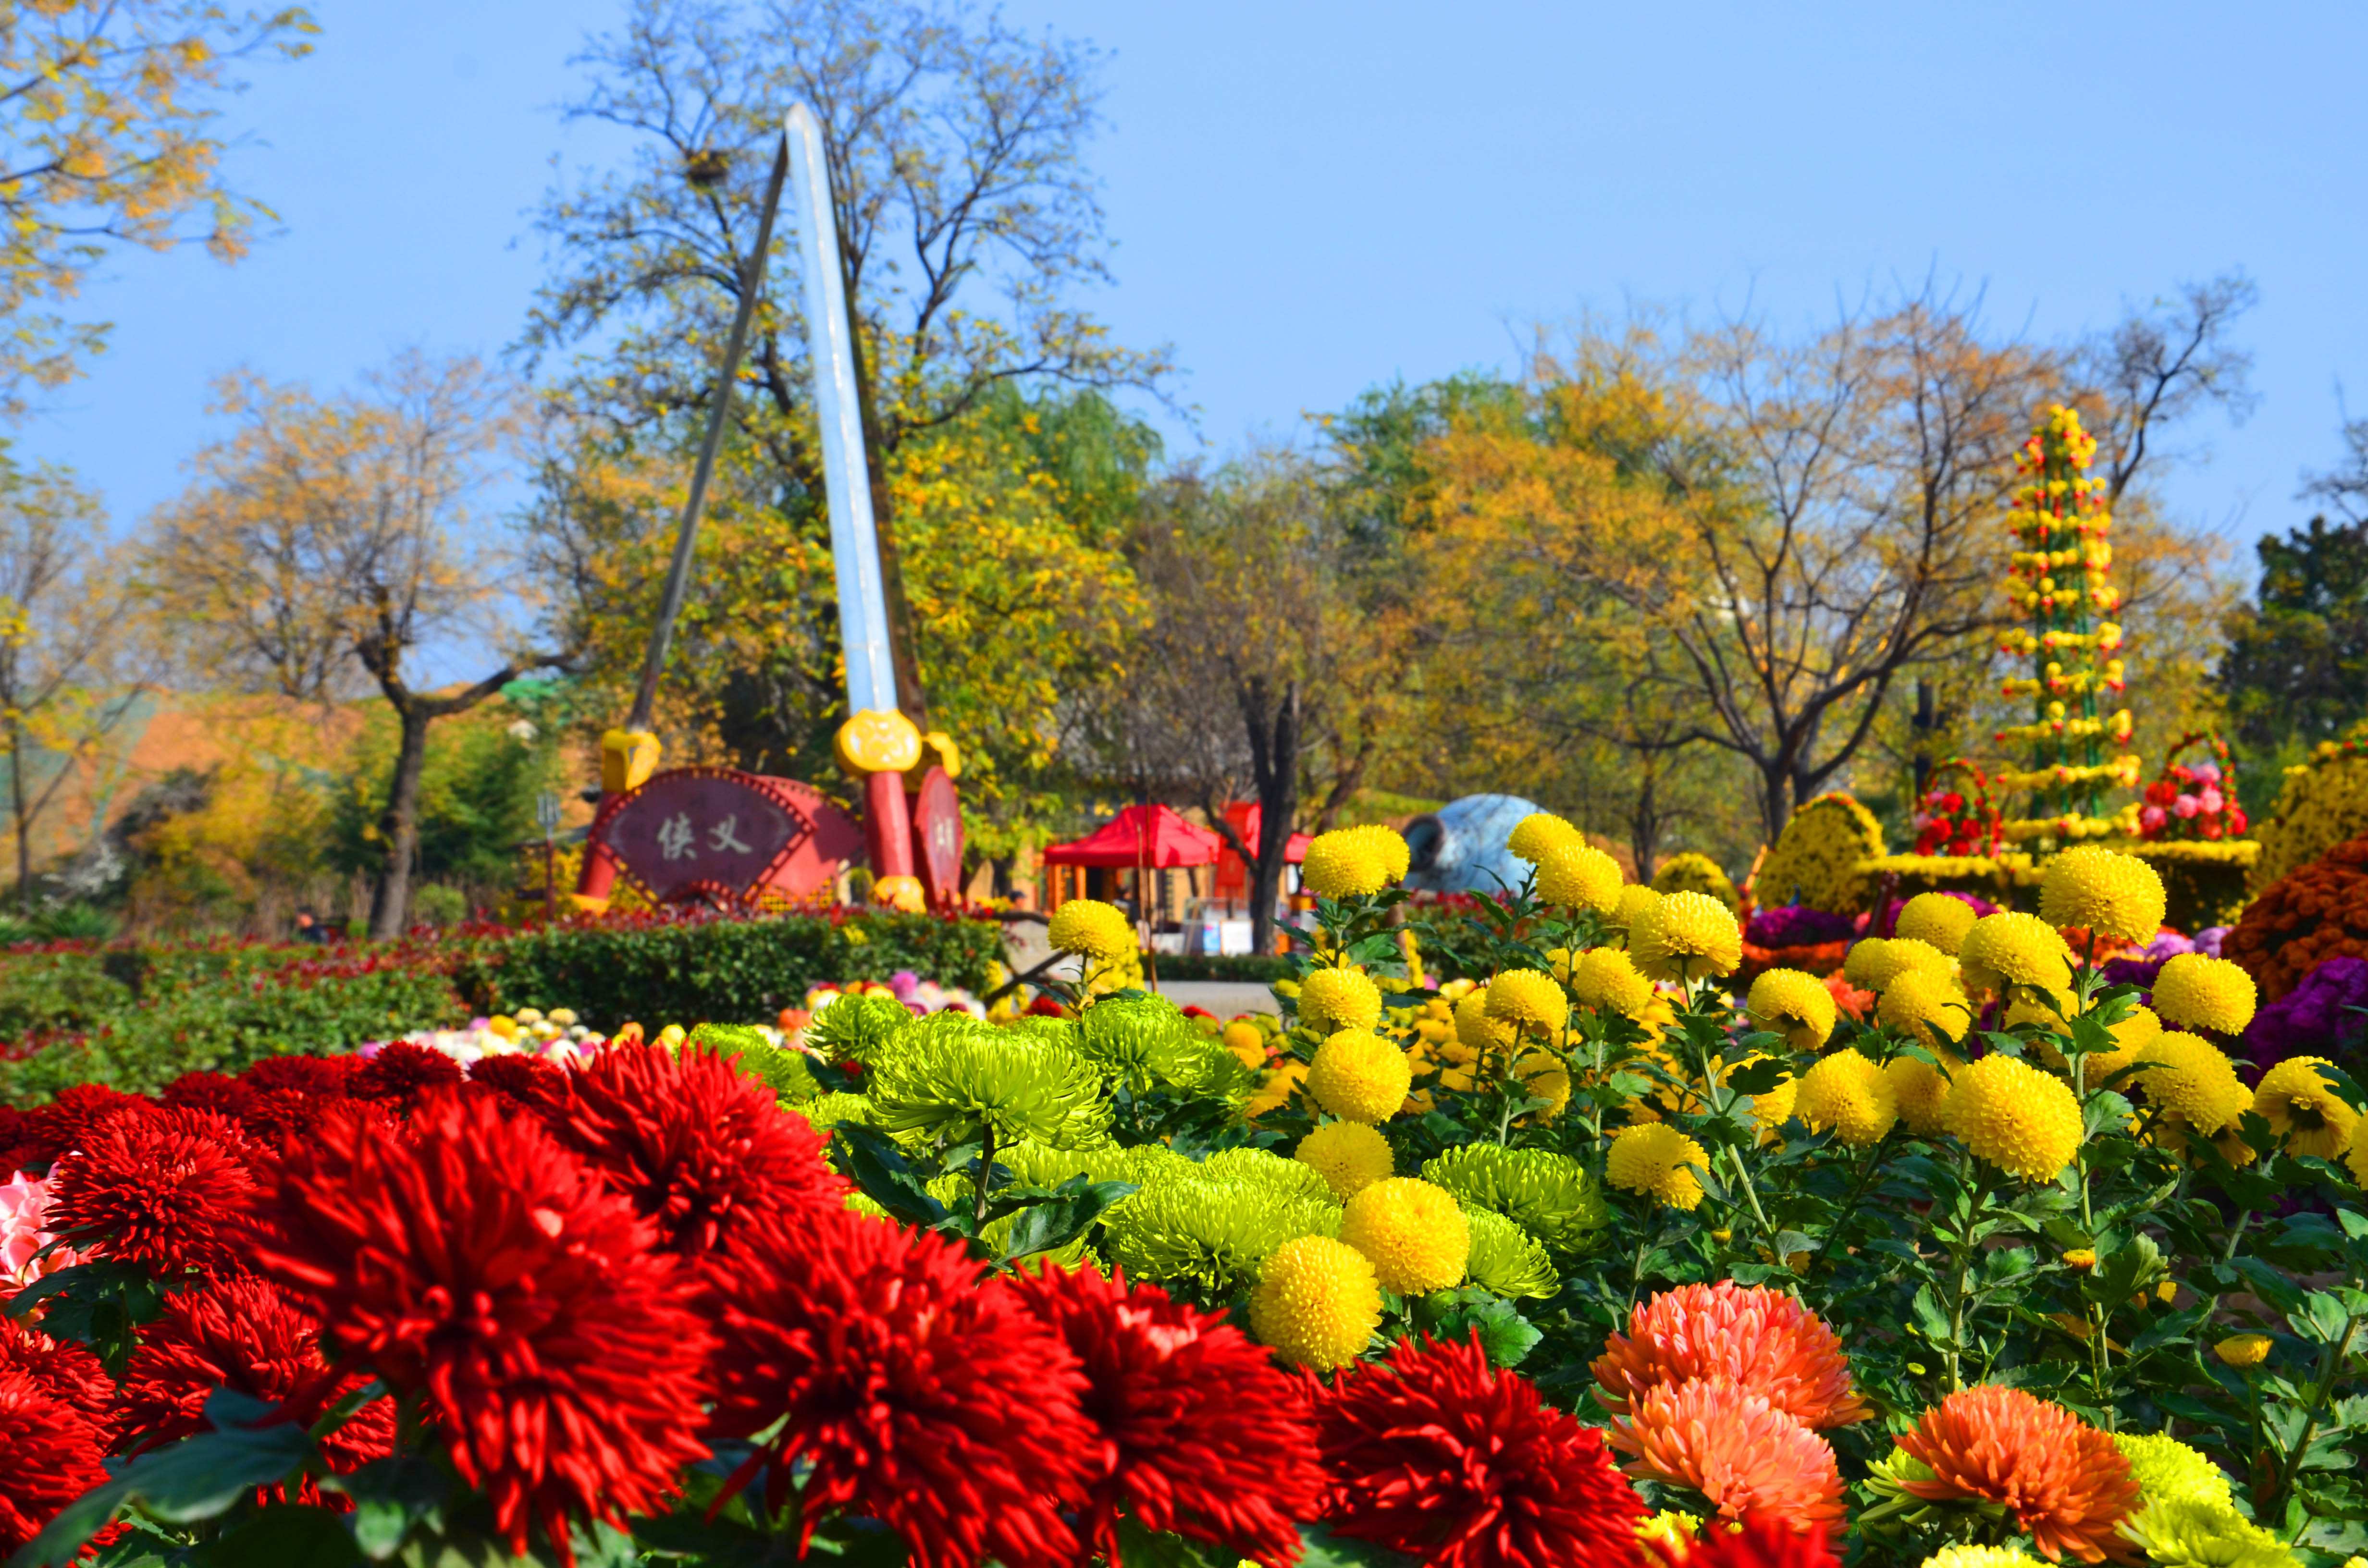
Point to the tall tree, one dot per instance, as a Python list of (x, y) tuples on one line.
[(967, 224), (326, 540), (110, 133), (2296, 668)]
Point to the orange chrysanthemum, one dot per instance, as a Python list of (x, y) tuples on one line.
[(1762, 1341), (1750, 1460), (2063, 1480)]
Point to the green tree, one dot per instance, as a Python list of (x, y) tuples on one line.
[(2296, 669)]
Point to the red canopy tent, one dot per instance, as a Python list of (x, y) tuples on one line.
[(1150, 837)]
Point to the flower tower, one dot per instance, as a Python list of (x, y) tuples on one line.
[(2058, 577)]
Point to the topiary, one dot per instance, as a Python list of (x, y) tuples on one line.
[(2324, 802), (1818, 858), (2303, 919), (1690, 872)]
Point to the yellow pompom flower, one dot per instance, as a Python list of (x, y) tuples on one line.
[(1537, 834), (1411, 1231), (1847, 1094), (1580, 876), (1091, 928), (1689, 935), (1343, 863), (1636, 905), (1607, 979), (1349, 1155), (1542, 1072), (1360, 1075), (1246, 1043), (1334, 999), (1936, 918), (2302, 1107), (2205, 993), (2015, 949), (2196, 1086), (1932, 1012), (1773, 1109), (1476, 1031), (2355, 1159), (1796, 1006), (1968, 1556), (2014, 1117), (1655, 1159), (1529, 999), (1921, 1090), (1861, 960), (1388, 847), (2111, 893), (1904, 955), (2242, 1350), (1316, 1302)]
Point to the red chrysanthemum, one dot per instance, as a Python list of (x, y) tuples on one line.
[(2065, 1482), (1749, 1459), (700, 1150), (326, 1076), (1200, 1433), (169, 1189), (1446, 1458), (20, 1143), (52, 1456), (1761, 1543), (470, 1258), (940, 1408), (208, 1091), (402, 1072), (65, 1367), (1762, 1341), (65, 1122), (248, 1336), (527, 1082)]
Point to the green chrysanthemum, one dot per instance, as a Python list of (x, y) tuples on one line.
[(1214, 1232), (854, 1027), (2195, 1532), (1506, 1258), (2168, 1470), (954, 1075), (826, 1111), (1147, 1040), (784, 1071), (1268, 1172), (1549, 1195)]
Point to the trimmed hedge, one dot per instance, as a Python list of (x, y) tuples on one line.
[(1262, 968)]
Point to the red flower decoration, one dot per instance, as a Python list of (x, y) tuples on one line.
[(402, 1071), (169, 1189), (1200, 1435), (53, 1452), (324, 1076), (65, 1368), (470, 1258), (700, 1150), (1757, 1543), (918, 1398), (1445, 1458)]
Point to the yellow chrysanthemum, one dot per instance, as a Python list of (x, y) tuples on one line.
[(2205, 993), (1607, 979), (1932, 1011), (1773, 1109), (1921, 1091), (1689, 935), (1672, 1529), (1349, 1155), (1388, 845), (2197, 1532), (1412, 1232), (1968, 1556), (1796, 1006), (1936, 918), (2302, 1107), (2111, 893), (2242, 1350), (2013, 1115), (1334, 999), (1530, 999), (1544, 1076), (1539, 834), (2014, 949), (2196, 1084), (1476, 1031), (1343, 863), (2355, 1159), (1579, 876), (1089, 927), (1861, 960), (1655, 1159), (2131, 1036), (1247, 1041), (1636, 905), (1316, 1302), (1847, 1094), (1906, 955), (1274, 1090), (1360, 1075), (2168, 1470)]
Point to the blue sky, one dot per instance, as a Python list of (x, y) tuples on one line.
[(1310, 198)]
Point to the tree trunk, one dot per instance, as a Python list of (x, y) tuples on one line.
[(1644, 819), (1274, 761), (23, 814), (398, 826)]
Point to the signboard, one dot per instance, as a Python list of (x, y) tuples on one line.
[(700, 826), (938, 838)]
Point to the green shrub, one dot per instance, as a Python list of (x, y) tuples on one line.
[(1261, 969)]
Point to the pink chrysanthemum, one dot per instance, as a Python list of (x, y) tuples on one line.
[(1749, 1459), (169, 1188), (2065, 1482), (1762, 1341), (1448, 1459), (52, 1456), (1200, 1435), (24, 1234)]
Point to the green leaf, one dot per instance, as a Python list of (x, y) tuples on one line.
[(1060, 1219), (1504, 1333), (286, 1536), (1325, 1549), (1930, 1320), (99, 1305), (391, 1495), (1142, 1548), (871, 1160), (2119, 1273)]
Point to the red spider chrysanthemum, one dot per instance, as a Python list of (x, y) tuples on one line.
[(20, 1143), (65, 1367), (470, 1258), (1762, 1341), (208, 1091), (1761, 1543), (169, 1189), (1749, 1459), (53, 1456), (1443, 1457), (1200, 1433), (63, 1123), (700, 1150), (918, 1398), (248, 1336), (2064, 1481), (402, 1072), (527, 1082), (326, 1076)]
